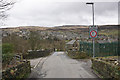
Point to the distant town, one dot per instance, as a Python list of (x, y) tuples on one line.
[(68, 32)]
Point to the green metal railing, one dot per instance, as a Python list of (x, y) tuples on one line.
[(101, 49)]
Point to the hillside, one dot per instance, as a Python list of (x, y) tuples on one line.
[(73, 28)]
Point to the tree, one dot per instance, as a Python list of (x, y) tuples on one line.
[(7, 48), (7, 53), (21, 45), (34, 40), (5, 5)]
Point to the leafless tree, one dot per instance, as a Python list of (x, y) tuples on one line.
[(5, 5), (34, 40)]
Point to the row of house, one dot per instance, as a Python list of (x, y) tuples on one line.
[(67, 35)]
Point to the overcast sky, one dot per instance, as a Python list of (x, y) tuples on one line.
[(55, 13)]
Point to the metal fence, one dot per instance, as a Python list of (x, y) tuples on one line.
[(101, 49)]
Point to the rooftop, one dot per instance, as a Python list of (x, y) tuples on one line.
[(71, 42)]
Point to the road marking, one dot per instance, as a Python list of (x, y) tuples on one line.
[(41, 60), (38, 62)]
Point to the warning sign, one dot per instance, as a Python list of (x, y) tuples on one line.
[(93, 32)]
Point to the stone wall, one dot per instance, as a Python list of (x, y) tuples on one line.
[(20, 71), (106, 69), (37, 54)]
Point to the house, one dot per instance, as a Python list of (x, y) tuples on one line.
[(5, 34), (72, 45)]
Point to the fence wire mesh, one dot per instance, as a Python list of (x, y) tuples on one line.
[(101, 49)]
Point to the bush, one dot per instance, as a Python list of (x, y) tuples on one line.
[(82, 55), (6, 58), (78, 55), (7, 53), (7, 48), (18, 72)]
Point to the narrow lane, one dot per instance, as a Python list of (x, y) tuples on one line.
[(58, 65)]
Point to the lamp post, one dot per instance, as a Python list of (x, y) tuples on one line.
[(92, 10), (93, 26)]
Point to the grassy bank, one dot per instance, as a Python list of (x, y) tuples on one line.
[(77, 55), (107, 67)]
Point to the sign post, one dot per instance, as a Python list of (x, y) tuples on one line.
[(93, 35), (93, 30)]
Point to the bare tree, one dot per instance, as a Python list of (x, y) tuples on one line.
[(5, 5), (34, 40)]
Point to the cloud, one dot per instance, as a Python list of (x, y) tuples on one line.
[(41, 13)]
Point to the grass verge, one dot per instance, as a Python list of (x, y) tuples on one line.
[(78, 55)]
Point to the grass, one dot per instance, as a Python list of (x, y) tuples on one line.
[(109, 57), (78, 55)]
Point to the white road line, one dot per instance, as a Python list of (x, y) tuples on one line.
[(38, 62)]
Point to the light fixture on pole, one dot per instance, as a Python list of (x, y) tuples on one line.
[(92, 10)]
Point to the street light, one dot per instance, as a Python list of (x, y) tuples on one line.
[(92, 10), (93, 26)]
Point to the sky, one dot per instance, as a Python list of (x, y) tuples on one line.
[(49, 13)]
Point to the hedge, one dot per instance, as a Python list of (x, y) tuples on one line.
[(18, 72), (106, 69), (77, 55)]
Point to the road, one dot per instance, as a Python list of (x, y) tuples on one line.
[(59, 65)]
